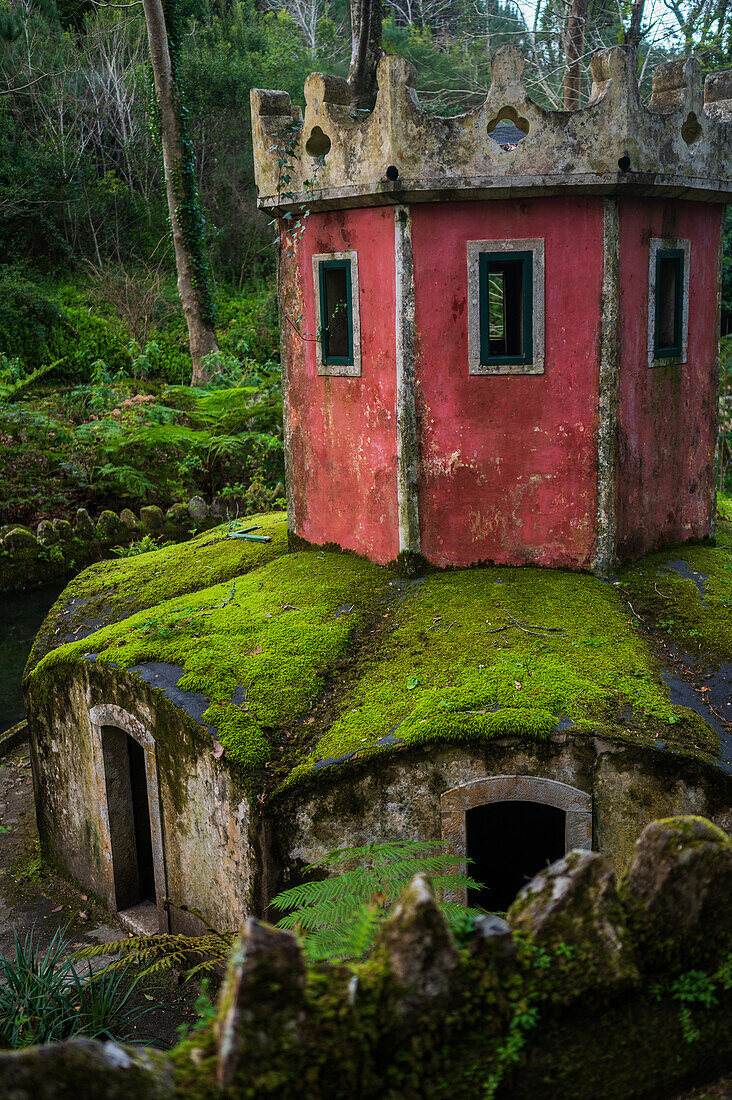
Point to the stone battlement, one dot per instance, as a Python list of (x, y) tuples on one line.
[(679, 145)]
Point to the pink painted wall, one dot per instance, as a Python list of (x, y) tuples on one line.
[(666, 414), (509, 463), (343, 430)]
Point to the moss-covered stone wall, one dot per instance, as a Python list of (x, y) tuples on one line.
[(590, 990)]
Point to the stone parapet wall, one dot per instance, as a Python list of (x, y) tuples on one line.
[(680, 144), (583, 992)]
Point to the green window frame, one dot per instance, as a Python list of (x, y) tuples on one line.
[(326, 310), (662, 349), (506, 294)]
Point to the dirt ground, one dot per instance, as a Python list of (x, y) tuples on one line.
[(34, 898)]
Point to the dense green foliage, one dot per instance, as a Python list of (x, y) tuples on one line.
[(127, 432)]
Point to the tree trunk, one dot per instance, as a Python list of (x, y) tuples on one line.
[(186, 219), (365, 51), (632, 38), (574, 45)]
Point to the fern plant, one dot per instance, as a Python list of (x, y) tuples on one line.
[(339, 915)]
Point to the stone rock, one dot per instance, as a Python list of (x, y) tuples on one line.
[(575, 902), (84, 525), (417, 943), (677, 893), (178, 515), (109, 527), (21, 543), (131, 522), (152, 518), (493, 942), (7, 527), (63, 529), (197, 509), (86, 1068), (46, 533), (262, 998)]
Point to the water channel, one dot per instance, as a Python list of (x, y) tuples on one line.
[(21, 615)]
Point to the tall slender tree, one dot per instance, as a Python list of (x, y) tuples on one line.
[(186, 219), (574, 45), (366, 50)]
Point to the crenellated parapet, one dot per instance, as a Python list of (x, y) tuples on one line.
[(680, 143)]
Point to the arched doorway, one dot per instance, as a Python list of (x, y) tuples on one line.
[(510, 826), (129, 819), (126, 766)]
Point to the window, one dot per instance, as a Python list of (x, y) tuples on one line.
[(506, 307), (668, 302), (335, 278)]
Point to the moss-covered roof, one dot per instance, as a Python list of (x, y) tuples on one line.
[(308, 658)]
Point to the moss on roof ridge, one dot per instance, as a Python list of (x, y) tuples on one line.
[(490, 652), (702, 625), (464, 655), (112, 590), (259, 648)]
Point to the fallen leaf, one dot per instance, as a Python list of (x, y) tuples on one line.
[(57, 909), (84, 914), (254, 652)]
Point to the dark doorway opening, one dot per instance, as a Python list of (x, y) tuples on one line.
[(141, 814), (129, 819), (508, 843)]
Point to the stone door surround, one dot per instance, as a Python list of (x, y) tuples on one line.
[(454, 804), (108, 714)]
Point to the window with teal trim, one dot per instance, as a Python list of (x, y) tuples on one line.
[(336, 312), (668, 335), (506, 308)]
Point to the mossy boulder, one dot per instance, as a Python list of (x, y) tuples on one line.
[(131, 522), (64, 529), (152, 518), (21, 543), (197, 509), (46, 533), (573, 908), (178, 515), (84, 524), (677, 893), (109, 527)]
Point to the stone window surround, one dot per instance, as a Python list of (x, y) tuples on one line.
[(531, 244), (109, 714), (454, 804), (657, 245), (351, 370)]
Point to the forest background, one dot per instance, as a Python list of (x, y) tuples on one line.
[(96, 409)]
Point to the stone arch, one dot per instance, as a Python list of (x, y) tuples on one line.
[(576, 804), (105, 719)]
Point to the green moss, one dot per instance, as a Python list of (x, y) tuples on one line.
[(111, 590), (457, 666), (275, 634), (465, 655), (675, 605)]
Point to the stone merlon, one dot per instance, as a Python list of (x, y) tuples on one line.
[(680, 144)]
